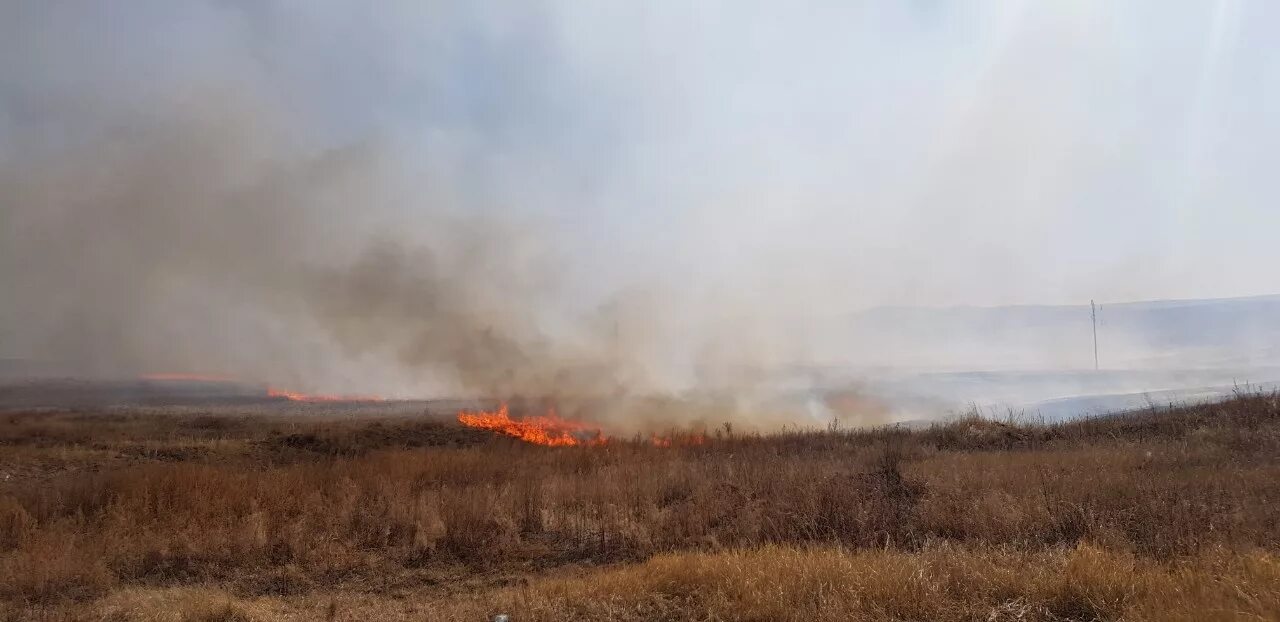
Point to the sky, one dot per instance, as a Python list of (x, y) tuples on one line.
[(742, 160)]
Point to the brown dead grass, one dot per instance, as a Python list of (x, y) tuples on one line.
[(263, 519), (941, 582)]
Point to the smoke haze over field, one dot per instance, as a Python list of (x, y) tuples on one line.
[(557, 198)]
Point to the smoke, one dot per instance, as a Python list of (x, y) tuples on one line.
[(209, 241), (558, 200), (212, 241)]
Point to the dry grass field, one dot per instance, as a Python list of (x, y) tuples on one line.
[(1167, 514)]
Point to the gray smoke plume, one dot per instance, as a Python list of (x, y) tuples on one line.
[(558, 201), (208, 242)]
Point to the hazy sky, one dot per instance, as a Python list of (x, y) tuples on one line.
[(926, 151), (791, 157)]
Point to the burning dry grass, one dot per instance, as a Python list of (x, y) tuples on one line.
[(1107, 518), (549, 430)]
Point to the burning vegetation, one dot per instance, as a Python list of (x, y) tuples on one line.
[(271, 392), (552, 430), (295, 396), (549, 429)]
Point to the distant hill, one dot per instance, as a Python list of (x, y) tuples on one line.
[(1150, 334), (1038, 359)]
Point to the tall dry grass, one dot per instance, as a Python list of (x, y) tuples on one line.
[(939, 582), (289, 508)]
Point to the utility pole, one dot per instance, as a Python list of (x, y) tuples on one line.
[(1093, 313)]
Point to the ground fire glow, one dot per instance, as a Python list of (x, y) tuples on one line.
[(552, 430), (549, 429), (293, 396), (309, 397)]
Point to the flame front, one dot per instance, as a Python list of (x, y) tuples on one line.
[(549, 429)]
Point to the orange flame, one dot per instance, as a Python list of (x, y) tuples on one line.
[(549, 429), (308, 397)]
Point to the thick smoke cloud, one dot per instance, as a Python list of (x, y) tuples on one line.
[(205, 243), (559, 199)]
